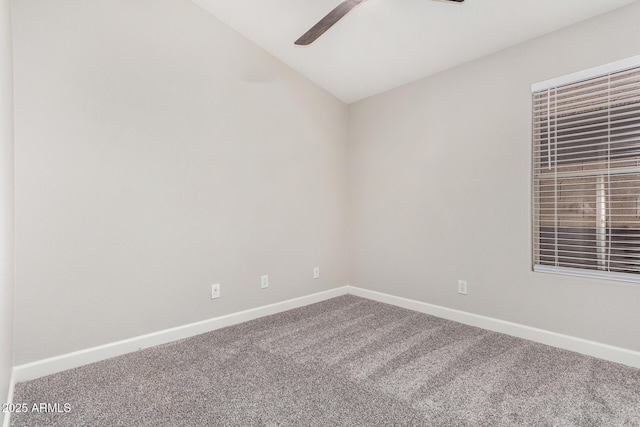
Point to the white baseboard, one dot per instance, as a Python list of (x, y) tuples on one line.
[(579, 345), (63, 362), (12, 383), (41, 368)]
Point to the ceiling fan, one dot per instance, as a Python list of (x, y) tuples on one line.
[(332, 17)]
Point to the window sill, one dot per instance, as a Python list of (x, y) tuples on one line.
[(591, 274)]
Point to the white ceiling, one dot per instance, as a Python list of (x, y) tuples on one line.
[(383, 44)]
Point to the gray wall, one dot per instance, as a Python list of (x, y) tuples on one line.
[(157, 152), (440, 175), (6, 201)]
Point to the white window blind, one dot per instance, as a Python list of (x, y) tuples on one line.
[(586, 176)]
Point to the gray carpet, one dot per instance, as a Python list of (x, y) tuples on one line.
[(347, 361)]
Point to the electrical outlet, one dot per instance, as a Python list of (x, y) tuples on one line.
[(462, 287), (264, 281), (316, 272), (215, 291)]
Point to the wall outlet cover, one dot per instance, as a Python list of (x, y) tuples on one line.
[(462, 287), (215, 291)]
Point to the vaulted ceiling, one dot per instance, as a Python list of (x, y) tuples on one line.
[(382, 44)]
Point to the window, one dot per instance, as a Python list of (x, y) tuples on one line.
[(586, 173)]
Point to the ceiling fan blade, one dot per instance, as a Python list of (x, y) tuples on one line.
[(327, 22)]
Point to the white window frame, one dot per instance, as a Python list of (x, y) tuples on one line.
[(572, 78)]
